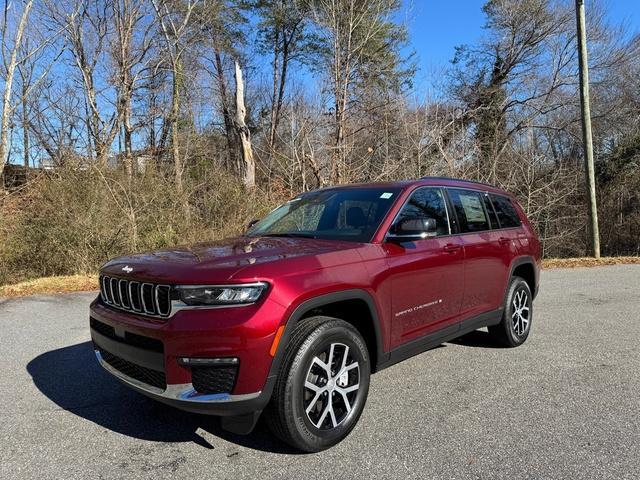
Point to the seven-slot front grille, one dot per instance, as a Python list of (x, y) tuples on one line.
[(134, 296)]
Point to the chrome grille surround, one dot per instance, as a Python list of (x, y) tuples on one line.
[(133, 296)]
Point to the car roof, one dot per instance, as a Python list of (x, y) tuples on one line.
[(426, 181)]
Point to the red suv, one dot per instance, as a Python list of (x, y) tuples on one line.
[(293, 317)]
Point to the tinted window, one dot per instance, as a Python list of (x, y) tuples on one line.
[(507, 214), (427, 203), (469, 209), (490, 211), (337, 214)]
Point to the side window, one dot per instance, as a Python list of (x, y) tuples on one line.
[(490, 211), (427, 203), (506, 212), (469, 209)]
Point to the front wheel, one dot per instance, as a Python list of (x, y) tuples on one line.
[(322, 387), (515, 326)]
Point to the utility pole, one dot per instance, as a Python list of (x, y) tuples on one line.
[(586, 128)]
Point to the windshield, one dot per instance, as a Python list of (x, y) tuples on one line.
[(334, 214)]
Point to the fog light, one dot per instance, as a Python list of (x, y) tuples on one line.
[(206, 362)]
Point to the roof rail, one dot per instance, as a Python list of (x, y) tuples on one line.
[(457, 180)]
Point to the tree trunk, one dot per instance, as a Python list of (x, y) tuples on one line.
[(128, 149), (175, 111), (25, 127), (8, 85), (273, 124), (226, 114), (246, 165), (279, 83)]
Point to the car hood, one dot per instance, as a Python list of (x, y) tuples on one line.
[(216, 261)]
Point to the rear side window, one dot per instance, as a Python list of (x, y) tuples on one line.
[(507, 214), (470, 211), (490, 211), (427, 203)]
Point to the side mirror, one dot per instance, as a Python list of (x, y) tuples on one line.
[(414, 229)]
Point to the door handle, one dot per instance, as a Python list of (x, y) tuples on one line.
[(504, 240), (451, 247)]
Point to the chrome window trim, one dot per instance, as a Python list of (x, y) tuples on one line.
[(445, 188)]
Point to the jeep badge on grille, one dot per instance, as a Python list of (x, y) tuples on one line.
[(127, 269)]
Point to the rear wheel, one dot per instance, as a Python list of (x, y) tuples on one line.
[(515, 326), (322, 386)]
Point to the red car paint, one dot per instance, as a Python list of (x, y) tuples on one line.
[(416, 289)]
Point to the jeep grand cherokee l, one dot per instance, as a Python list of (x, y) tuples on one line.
[(293, 317)]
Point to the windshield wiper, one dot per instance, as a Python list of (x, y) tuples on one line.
[(288, 235)]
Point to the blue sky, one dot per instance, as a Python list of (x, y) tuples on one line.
[(437, 26)]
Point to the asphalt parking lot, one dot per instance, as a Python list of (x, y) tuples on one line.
[(564, 405)]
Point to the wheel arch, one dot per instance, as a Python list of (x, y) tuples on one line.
[(355, 306), (525, 267)]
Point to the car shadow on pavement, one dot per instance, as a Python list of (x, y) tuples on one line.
[(72, 378), (477, 338)]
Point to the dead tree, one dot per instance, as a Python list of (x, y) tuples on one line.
[(246, 165)]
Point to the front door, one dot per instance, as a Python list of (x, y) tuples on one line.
[(426, 275)]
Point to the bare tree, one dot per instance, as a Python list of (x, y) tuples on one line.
[(363, 44), (129, 50), (174, 19), (11, 48), (246, 165), (86, 27)]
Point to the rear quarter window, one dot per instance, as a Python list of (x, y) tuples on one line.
[(506, 212)]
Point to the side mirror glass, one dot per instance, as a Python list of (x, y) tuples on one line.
[(414, 229)]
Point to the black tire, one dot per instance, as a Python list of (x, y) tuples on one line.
[(286, 414), (512, 330)]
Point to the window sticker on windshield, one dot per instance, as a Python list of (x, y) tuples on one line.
[(386, 195)]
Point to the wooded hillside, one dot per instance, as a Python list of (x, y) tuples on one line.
[(146, 123)]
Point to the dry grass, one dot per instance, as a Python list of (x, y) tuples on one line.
[(50, 285), (587, 262)]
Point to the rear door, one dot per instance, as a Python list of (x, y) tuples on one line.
[(426, 275), (487, 251)]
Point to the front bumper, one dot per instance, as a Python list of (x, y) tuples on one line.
[(245, 334), (185, 397)]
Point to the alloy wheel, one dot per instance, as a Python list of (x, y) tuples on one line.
[(520, 315), (331, 386)]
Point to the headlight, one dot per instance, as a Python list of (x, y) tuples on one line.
[(241, 294)]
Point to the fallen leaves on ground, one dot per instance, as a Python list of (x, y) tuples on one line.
[(50, 285), (587, 262)]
